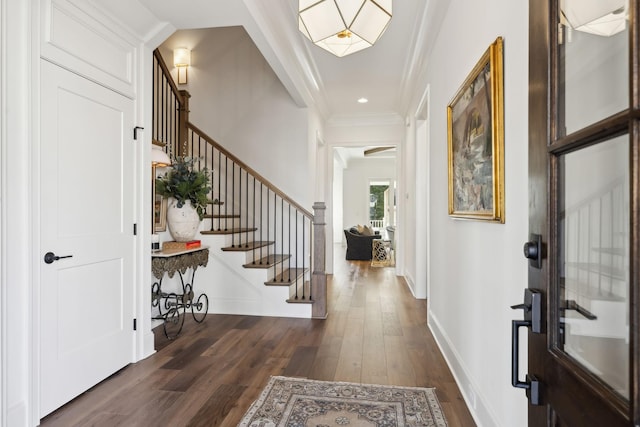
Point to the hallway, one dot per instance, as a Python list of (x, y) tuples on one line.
[(375, 333)]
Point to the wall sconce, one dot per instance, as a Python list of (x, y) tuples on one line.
[(182, 60)]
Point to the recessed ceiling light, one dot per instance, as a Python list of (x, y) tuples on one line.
[(363, 100)]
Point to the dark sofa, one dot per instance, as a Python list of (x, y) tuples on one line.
[(359, 246)]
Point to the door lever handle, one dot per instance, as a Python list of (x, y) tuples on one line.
[(572, 305), (50, 257), (532, 307), (525, 307)]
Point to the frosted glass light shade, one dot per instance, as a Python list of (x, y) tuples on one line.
[(181, 57), (343, 27), (182, 60), (599, 17)]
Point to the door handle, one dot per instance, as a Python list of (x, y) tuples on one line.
[(572, 305), (533, 250), (532, 308), (50, 257), (530, 384)]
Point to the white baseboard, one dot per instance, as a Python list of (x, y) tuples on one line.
[(17, 415), (149, 344), (474, 400)]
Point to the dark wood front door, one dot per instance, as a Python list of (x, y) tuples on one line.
[(584, 183)]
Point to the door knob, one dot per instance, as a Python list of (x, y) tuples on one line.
[(533, 250), (50, 257)]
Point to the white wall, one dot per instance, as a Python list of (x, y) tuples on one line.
[(356, 177), (477, 268), (237, 99), (16, 193)]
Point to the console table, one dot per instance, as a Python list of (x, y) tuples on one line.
[(172, 306)]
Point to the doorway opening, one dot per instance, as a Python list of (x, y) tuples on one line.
[(382, 206)]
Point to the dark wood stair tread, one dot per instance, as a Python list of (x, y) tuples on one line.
[(247, 246), (229, 231), (306, 299), (267, 262), (287, 277), (221, 216)]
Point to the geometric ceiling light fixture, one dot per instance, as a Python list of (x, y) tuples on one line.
[(343, 27), (182, 60), (600, 17)]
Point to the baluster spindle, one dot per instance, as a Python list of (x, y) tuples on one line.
[(246, 207), (240, 233), (219, 196), (275, 230), (281, 236), (298, 259), (226, 192), (254, 218), (261, 228), (289, 239), (233, 197)]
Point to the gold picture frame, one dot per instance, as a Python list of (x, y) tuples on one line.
[(159, 213), (475, 127)]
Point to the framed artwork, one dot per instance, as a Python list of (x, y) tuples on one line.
[(159, 213), (476, 142)]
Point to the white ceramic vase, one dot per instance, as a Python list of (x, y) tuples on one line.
[(183, 222)]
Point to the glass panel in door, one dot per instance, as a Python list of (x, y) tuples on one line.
[(594, 71), (593, 288)]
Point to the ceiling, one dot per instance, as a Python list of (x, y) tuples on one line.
[(376, 73), (386, 74)]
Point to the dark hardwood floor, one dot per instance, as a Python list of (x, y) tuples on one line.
[(376, 333)]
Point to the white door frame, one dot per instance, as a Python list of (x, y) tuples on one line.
[(331, 146), (422, 169), (3, 193), (19, 175)]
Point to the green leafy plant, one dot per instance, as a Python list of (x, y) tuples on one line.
[(186, 182)]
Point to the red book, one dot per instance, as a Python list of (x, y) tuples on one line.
[(192, 244)]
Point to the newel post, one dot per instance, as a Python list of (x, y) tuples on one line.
[(183, 119), (319, 279)]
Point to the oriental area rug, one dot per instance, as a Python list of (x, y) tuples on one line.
[(297, 402)]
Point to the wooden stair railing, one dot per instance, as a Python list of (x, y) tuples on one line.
[(261, 218), (280, 234)]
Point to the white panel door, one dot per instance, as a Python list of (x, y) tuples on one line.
[(86, 300)]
